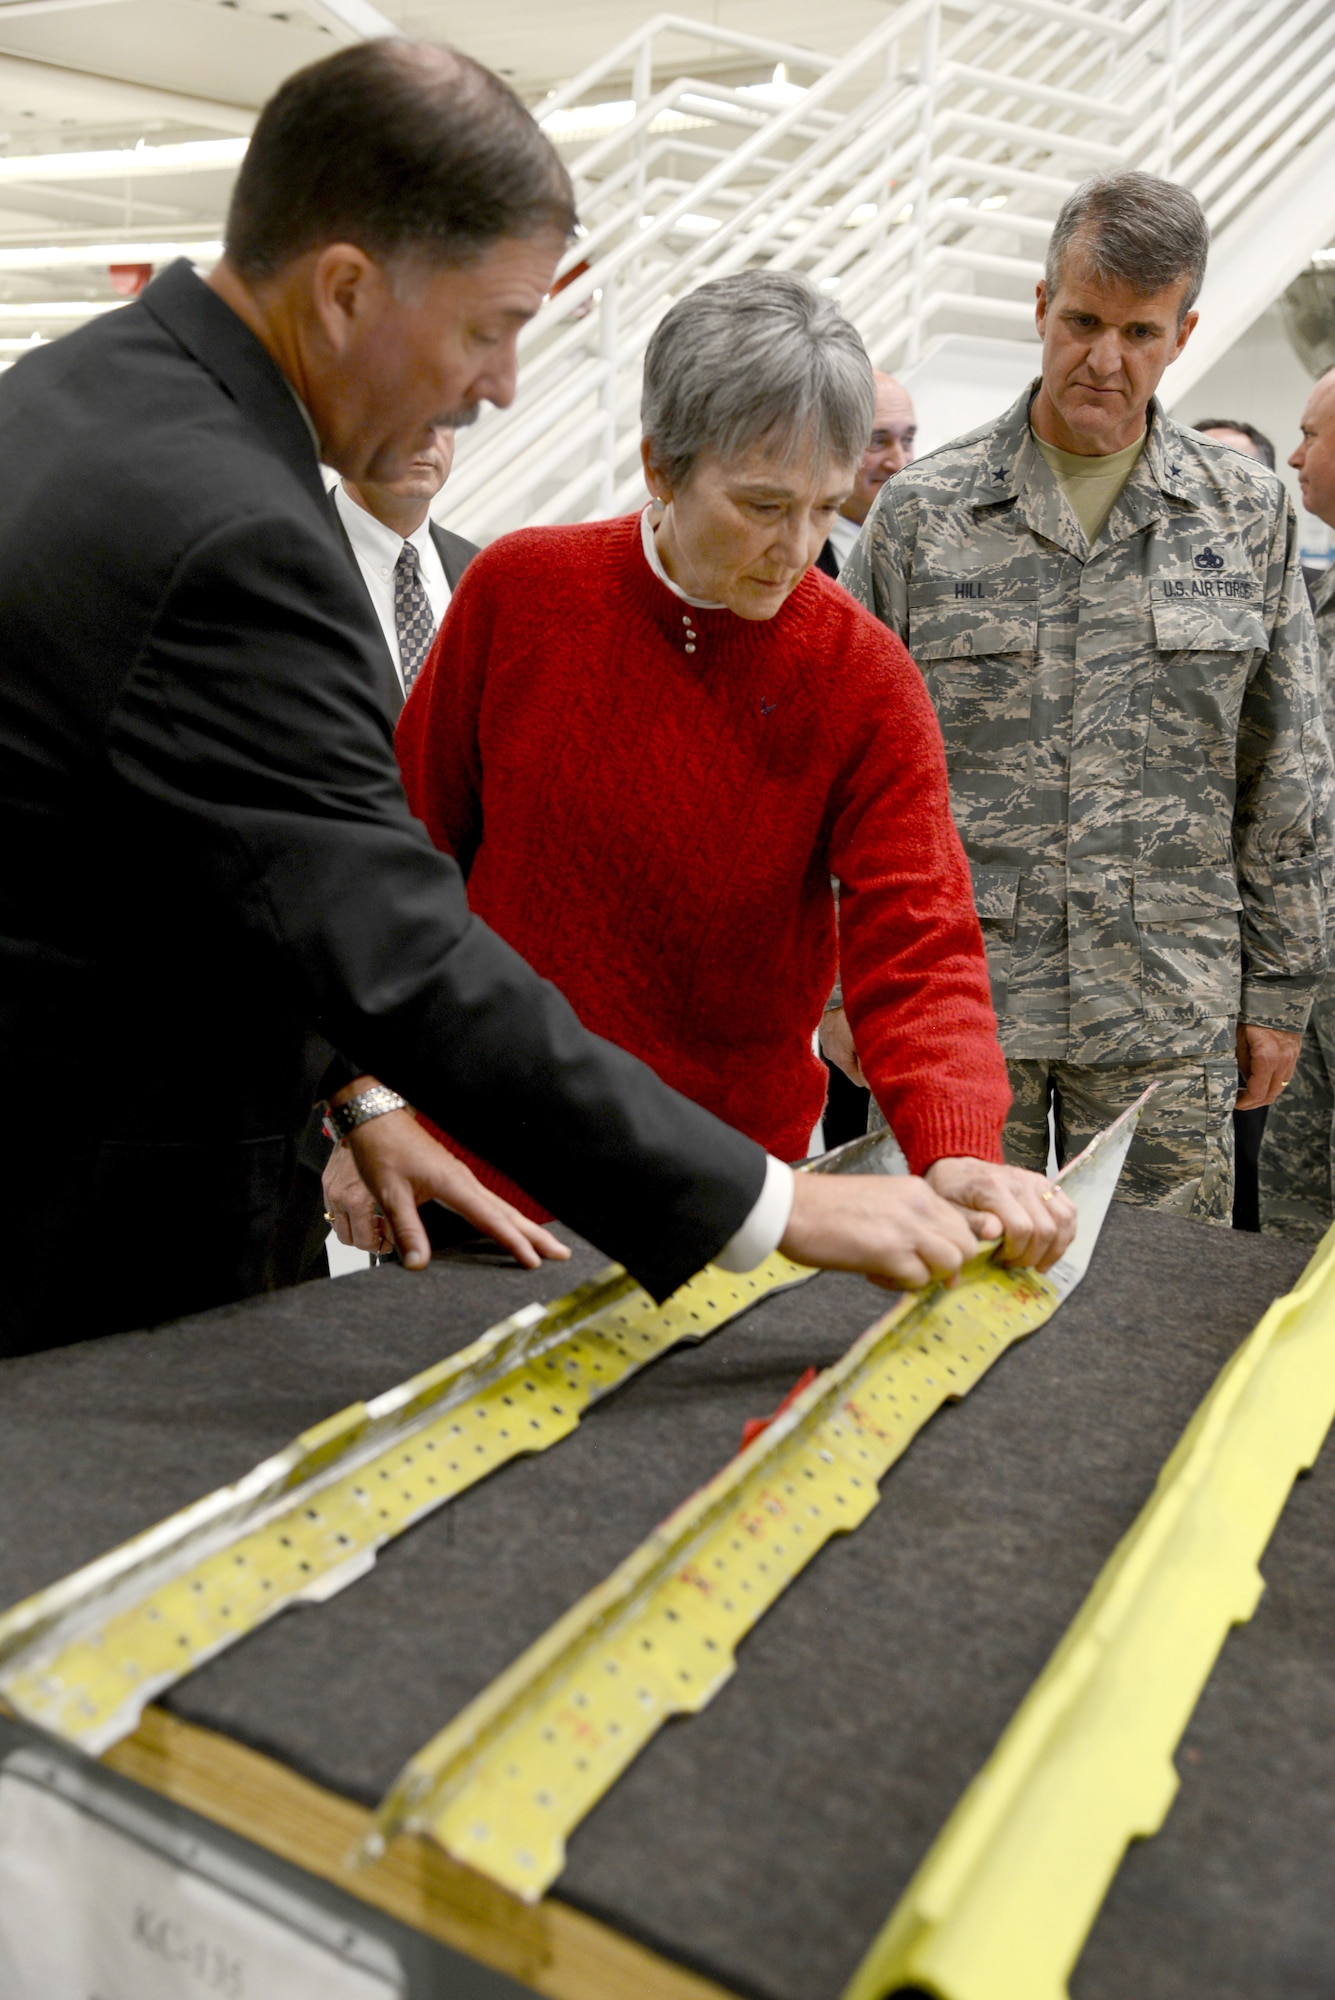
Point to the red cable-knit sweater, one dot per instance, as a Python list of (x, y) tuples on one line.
[(654, 830)]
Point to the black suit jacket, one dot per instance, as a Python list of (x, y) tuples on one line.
[(827, 560), (209, 863), (455, 553)]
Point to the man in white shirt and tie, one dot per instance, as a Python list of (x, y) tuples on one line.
[(409, 567), (894, 431), (408, 564)]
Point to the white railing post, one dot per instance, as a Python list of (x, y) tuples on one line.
[(641, 89), (608, 395), (1172, 63), (889, 78), (931, 35)]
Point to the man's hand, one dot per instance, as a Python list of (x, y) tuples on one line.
[(351, 1207), (376, 1180), (1267, 1058), (1033, 1217), (836, 1045), (892, 1228)]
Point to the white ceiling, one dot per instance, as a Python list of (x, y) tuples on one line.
[(233, 53), (80, 75)]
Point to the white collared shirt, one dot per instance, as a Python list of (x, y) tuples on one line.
[(844, 537), (376, 548)]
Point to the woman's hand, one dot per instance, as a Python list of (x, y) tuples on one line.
[(895, 1229), (1036, 1221), (386, 1168)]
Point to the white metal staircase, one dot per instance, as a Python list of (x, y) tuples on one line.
[(915, 179)]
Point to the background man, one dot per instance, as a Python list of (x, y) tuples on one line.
[(1241, 437), (408, 564), (894, 429), (1248, 1126), (1297, 1166), (220, 867), (409, 567), (1110, 615)]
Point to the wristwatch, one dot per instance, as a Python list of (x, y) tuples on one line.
[(341, 1119)]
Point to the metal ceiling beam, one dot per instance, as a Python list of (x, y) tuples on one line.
[(56, 92), (82, 209), (358, 18), (18, 9)]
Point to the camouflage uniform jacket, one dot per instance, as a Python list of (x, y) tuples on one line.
[(1138, 765), (1323, 604)]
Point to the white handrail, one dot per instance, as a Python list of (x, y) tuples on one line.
[(916, 178), (1040, 93), (617, 59)]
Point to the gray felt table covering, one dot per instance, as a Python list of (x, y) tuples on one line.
[(764, 1841)]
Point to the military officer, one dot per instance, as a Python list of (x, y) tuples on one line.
[(1110, 615), (1297, 1167)]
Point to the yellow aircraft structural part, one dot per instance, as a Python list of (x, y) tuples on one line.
[(1002, 1905), (517, 1770), (83, 1657), (503, 1785)]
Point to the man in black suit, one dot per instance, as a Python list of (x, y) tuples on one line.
[(211, 873), (408, 565)]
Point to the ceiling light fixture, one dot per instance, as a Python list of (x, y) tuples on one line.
[(192, 156), (92, 256)]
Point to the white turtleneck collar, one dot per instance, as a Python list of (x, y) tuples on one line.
[(655, 562)]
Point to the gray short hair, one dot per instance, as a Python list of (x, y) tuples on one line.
[(760, 357), (1136, 230)]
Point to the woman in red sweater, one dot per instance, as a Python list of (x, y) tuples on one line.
[(651, 742)]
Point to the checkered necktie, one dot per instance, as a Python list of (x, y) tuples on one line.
[(415, 626)]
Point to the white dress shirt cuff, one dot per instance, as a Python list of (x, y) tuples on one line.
[(763, 1229)]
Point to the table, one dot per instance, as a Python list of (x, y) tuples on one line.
[(753, 1850)]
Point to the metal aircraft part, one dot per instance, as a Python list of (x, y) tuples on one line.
[(503, 1785), (1006, 1897), (84, 1657)]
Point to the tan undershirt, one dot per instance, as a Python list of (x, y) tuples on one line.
[(1092, 484)]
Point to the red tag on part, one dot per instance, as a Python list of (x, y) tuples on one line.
[(752, 1429)]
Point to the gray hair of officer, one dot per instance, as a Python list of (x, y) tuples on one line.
[(759, 358), (1133, 229)]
